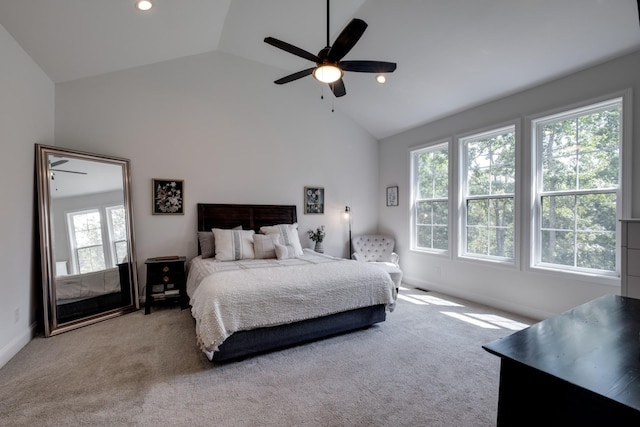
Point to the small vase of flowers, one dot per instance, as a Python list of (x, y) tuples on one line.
[(317, 236)]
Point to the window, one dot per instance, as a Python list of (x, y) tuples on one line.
[(577, 188), (488, 177), (117, 233), (86, 241), (97, 244), (430, 182)]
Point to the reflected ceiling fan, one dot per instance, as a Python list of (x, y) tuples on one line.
[(329, 65), (52, 165)]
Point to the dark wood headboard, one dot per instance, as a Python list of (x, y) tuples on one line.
[(250, 217)]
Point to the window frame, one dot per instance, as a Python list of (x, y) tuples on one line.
[(107, 244), (413, 152), (73, 244), (110, 232), (622, 191), (462, 163)]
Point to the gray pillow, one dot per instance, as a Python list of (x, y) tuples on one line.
[(207, 245)]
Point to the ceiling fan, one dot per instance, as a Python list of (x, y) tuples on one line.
[(52, 165), (329, 65)]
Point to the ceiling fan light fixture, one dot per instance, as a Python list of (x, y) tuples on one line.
[(143, 5), (327, 73), (380, 78), (329, 64)]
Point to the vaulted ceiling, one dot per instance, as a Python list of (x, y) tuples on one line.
[(451, 54)]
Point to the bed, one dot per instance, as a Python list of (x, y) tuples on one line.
[(86, 294), (74, 287), (247, 305)]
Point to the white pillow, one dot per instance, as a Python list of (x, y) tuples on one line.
[(232, 245), (285, 252), (288, 235), (264, 245), (207, 243)]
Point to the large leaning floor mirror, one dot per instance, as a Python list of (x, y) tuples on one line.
[(86, 238)]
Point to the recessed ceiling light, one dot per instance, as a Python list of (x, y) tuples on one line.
[(380, 78), (143, 5)]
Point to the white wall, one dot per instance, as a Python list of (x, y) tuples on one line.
[(533, 294), (218, 122), (26, 118)]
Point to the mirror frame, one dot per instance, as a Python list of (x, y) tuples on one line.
[(47, 260)]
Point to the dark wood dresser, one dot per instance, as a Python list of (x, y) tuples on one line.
[(579, 368)]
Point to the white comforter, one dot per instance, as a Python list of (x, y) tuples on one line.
[(80, 286), (228, 297)]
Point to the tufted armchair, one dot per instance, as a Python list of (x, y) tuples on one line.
[(374, 248), (378, 250)]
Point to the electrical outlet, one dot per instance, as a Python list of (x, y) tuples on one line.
[(16, 315)]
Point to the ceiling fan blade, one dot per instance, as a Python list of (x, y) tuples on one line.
[(294, 76), (347, 39), (338, 88), (62, 170), (58, 163), (292, 49), (368, 66)]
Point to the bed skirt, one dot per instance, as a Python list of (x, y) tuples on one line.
[(246, 343)]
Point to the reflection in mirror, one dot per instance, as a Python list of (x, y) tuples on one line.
[(88, 257)]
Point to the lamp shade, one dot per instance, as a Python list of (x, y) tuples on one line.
[(327, 73), (143, 5)]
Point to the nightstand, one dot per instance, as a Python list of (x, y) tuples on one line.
[(166, 281)]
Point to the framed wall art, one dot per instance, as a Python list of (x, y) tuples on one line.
[(313, 200), (168, 196), (392, 196)]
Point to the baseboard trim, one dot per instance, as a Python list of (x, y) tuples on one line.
[(12, 348), (521, 310)]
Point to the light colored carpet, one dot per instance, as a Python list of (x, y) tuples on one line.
[(422, 367)]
